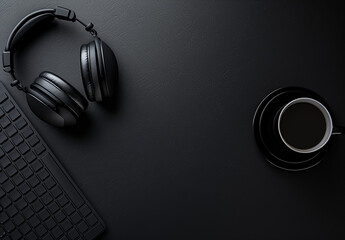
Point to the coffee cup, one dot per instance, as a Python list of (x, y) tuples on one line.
[(305, 125)]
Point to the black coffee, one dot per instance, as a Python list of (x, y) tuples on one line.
[(303, 125)]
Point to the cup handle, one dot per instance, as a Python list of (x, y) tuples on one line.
[(338, 131)]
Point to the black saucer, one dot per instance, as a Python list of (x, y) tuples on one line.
[(267, 138)]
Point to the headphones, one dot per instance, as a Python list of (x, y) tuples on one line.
[(52, 98)]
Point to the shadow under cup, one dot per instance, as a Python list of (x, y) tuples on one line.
[(305, 125)]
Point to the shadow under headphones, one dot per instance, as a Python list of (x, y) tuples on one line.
[(52, 98)]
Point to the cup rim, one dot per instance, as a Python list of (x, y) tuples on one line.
[(328, 119)]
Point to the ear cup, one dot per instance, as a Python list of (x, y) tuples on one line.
[(108, 68), (55, 101), (99, 70)]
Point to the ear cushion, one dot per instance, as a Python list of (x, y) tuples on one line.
[(59, 96), (108, 69), (90, 72), (85, 73), (48, 108), (66, 88)]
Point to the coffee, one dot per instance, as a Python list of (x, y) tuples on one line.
[(303, 125)]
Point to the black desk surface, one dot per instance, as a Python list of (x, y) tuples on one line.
[(174, 157)]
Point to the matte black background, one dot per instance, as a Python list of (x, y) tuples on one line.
[(174, 156)]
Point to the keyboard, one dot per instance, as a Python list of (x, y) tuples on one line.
[(38, 199)]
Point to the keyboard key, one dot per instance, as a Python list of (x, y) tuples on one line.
[(44, 214), (11, 170), (37, 206), (53, 207), (24, 228), (34, 221), (8, 186), (3, 137), (14, 195), (8, 106), (50, 183), (11, 211), (9, 226), (30, 157), (37, 165), (24, 188), (47, 199), (20, 124), (62, 201), (3, 217), (30, 197), (21, 164), (14, 115), (16, 235), (76, 218), (1, 153), (18, 219), (50, 223), (33, 141), (2, 193), (4, 162), (11, 130), (23, 148), (73, 234), (27, 132), (3, 97), (7, 146), (66, 225), (17, 139), (14, 155), (48, 237), (39, 149), (41, 230), (40, 190), (21, 204), (43, 174), (60, 216), (69, 209), (56, 192), (27, 213), (3, 177), (57, 232), (27, 172), (33, 181), (82, 227), (4, 122), (31, 236)]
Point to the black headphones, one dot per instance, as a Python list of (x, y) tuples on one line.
[(52, 98)]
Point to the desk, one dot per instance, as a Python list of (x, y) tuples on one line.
[(174, 157)]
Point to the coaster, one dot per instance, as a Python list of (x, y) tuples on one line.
[(268, 139)]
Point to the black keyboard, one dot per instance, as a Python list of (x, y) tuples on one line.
[(38, 199)]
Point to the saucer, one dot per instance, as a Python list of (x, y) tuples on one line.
[(267, 138)]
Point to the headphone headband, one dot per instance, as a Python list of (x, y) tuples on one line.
[(59, 13)]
